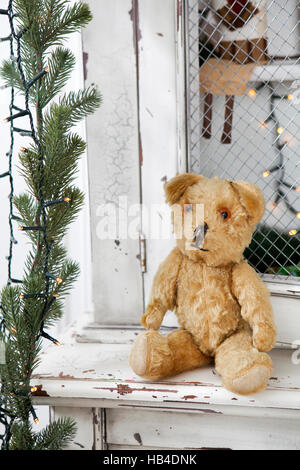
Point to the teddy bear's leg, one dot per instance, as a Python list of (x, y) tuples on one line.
[(186, 353), (154, 356), (243, 368)]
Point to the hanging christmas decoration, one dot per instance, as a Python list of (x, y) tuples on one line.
[(282, 186)]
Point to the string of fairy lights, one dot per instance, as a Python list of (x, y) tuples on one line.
[(15, 39), (281, 184), (7, 419)]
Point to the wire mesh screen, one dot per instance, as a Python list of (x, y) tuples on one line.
[(244, 119)]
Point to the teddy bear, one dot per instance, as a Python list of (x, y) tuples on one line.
[(222, 305)]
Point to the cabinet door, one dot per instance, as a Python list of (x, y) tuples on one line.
[(113, 160), (158, 125)]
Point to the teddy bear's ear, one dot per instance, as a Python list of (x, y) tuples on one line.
[(252, 199), (177, 186)]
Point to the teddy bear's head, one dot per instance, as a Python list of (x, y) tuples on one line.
[(213, 219)]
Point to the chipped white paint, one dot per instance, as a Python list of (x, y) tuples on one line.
[(180, 51), (102, 372), (158, 113), (288, 332), (193, 431), (113, 157), (84, 439)]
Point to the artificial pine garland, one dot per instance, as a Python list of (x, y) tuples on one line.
[(39, 67)]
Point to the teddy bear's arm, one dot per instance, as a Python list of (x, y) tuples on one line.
[(163, 293), (253, 297)]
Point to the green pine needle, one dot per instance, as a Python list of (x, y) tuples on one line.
[(56, 436), (61, 64)]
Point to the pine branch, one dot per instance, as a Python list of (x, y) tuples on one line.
[(61, 63), (10, 75), (47, 208), (49, 22), (81, 104), (63, 21), (56, 436), (23, 437)]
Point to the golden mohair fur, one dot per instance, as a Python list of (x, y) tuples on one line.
[(221, 303)]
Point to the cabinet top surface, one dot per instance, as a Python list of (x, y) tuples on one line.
[(101, 371)]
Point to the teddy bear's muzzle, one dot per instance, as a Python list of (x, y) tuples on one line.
[(199, 235)]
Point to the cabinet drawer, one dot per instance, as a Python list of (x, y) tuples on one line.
[(202, 429)]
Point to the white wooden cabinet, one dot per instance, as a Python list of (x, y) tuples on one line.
[(137, 54), (137, 139)]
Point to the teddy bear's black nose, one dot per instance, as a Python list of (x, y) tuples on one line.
[(201, 228), (200, 232)]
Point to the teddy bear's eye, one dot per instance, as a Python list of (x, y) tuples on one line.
[(225, 213), (188, 207)]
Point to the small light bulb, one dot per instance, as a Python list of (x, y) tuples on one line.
[(20, 227), (292, 232), (5, 120), (36, 421), (59, 280), (289, 96), (252, 93), (21, 296), (55, 295), (298, 215), (279, 130), (13, 330), (33, 389), (264, 124), (23, 149), (57, 343), (297, 189), (266, 173), (47, 69), (67, 199)]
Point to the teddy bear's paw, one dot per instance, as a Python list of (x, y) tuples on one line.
[(151, 357), (264, 336), (252, 381), (152, 318)]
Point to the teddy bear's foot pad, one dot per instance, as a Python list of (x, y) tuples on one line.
[(151, 357), (254, 380), (139, 354)]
